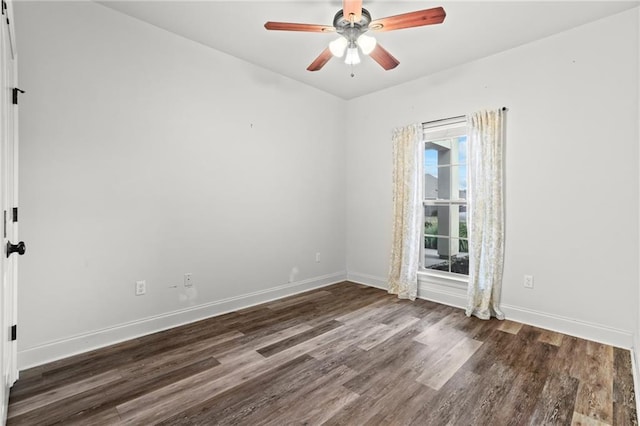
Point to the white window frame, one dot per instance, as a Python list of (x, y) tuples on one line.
[(432, 131)]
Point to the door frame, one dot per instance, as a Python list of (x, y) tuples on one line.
[(8, 204)]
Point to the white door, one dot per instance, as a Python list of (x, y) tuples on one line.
[(8, 204)]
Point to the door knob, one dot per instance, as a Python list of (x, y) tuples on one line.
[(16, 248)]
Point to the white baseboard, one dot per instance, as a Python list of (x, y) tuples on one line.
[(370, 280), (85, 342), (578, 328), (456, 296)]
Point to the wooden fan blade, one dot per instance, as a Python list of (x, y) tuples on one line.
[(384, 58), (320, 61), (350, 7), (289, 26), (409, 20)]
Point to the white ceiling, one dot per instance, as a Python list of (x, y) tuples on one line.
[(471, 30)]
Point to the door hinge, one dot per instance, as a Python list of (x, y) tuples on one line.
[(15, 95), (15, 214), (14, 332), (5, 224), (4, 7)]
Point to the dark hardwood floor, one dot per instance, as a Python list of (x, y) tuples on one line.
[(342, 355)]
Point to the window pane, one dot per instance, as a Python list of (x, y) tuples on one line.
[(444, 183), (436, 220), (460, 261), (462, 222), (431, 184), (456, 185), (432, 261), (461, 172), (445, 237), (462, 150), (430, 220), (430, 156), (430, 173)]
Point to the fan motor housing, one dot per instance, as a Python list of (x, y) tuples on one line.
[(342, 24)]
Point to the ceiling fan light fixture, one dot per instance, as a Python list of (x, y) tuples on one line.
[(352, 57), (351, 22), (338, 46), (366, 43)]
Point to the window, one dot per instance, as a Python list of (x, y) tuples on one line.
[(445, 247)]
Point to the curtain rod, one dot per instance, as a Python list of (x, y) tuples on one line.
[(453, 118)]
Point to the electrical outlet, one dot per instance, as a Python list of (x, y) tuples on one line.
[(187, 280), (141, 287), (318, 257), (528, 281)]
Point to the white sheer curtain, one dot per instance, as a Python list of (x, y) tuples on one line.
[(405, 250), (486, 134)]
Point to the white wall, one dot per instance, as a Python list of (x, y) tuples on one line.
[(145, 156), (571, 173)]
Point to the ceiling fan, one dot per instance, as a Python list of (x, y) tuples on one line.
[(352, 22)]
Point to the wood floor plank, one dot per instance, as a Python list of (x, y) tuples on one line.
[(447, 406), (532, 373), (254, 396), (623, 392), (318, 408), (584, 420), (196, 351), (475, 328), (158, 405), (281, 409), (368, 311), (65, 409), (289, 342), (411, 400), (442, 332), (37, 401), (392, 329), (493, 350), (295, 300), (108, 417), (375, 367), (510, 327), (556, 402), (480, 407), (345, 354), (391, 393), (91, 404), (76, 368), (227, 351), (595, 392), (276, 321), (551, 337), (571, 350), (329, 311), (444, 368), (353, 336)]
